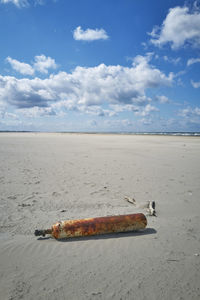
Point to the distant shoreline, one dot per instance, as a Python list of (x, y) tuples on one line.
[(108, 133)]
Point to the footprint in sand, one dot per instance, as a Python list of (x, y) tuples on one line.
[(55, 194), (24, 204), (12, 197), (20, 288)]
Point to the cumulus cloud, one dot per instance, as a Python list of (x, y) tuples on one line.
[(174, 61), (2, 109), (11, 116), (192, 61), (20, 67), (117, 124), (181, 26), (195, 84), (146, 122), (88, 90), (162, 99), (190, 112), (18, 3), (138, 110), (190, 117), (146, 110), (41, 64), (23, 92), (118, 108), (23, 3), (96, 110), (92, 123), (36, 111), (89, 34)]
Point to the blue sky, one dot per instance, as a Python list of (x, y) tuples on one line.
[(91, 65)]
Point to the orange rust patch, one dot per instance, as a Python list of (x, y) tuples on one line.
[(56, 229)]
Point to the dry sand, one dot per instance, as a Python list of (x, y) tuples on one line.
[(87, 175)]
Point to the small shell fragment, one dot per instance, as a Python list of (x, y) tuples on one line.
[(130, 200)]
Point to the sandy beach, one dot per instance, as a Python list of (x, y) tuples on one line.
[(48, 177)]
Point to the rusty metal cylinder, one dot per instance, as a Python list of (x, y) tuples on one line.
[(96, 226)]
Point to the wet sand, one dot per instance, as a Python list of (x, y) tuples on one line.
[(45, 178)]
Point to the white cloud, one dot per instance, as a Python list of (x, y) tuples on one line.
[(162, 99), (174, 61), (195, 84), (154, 33), (24, 3), (89, 34), (2, 109), (18, 3), (146, 110), (36, 111), (117, 124), (190, 112), (138, 110), (118, 108), (96, 110), (11, 116), (20, 67), (87, 90), (146, 122), (192, 61), (43, 63), (179, 27)]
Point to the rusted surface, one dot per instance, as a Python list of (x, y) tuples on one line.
[(96, 226)]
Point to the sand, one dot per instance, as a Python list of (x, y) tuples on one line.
[(45, 178)]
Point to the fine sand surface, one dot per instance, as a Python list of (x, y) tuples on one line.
[(45, 178)]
